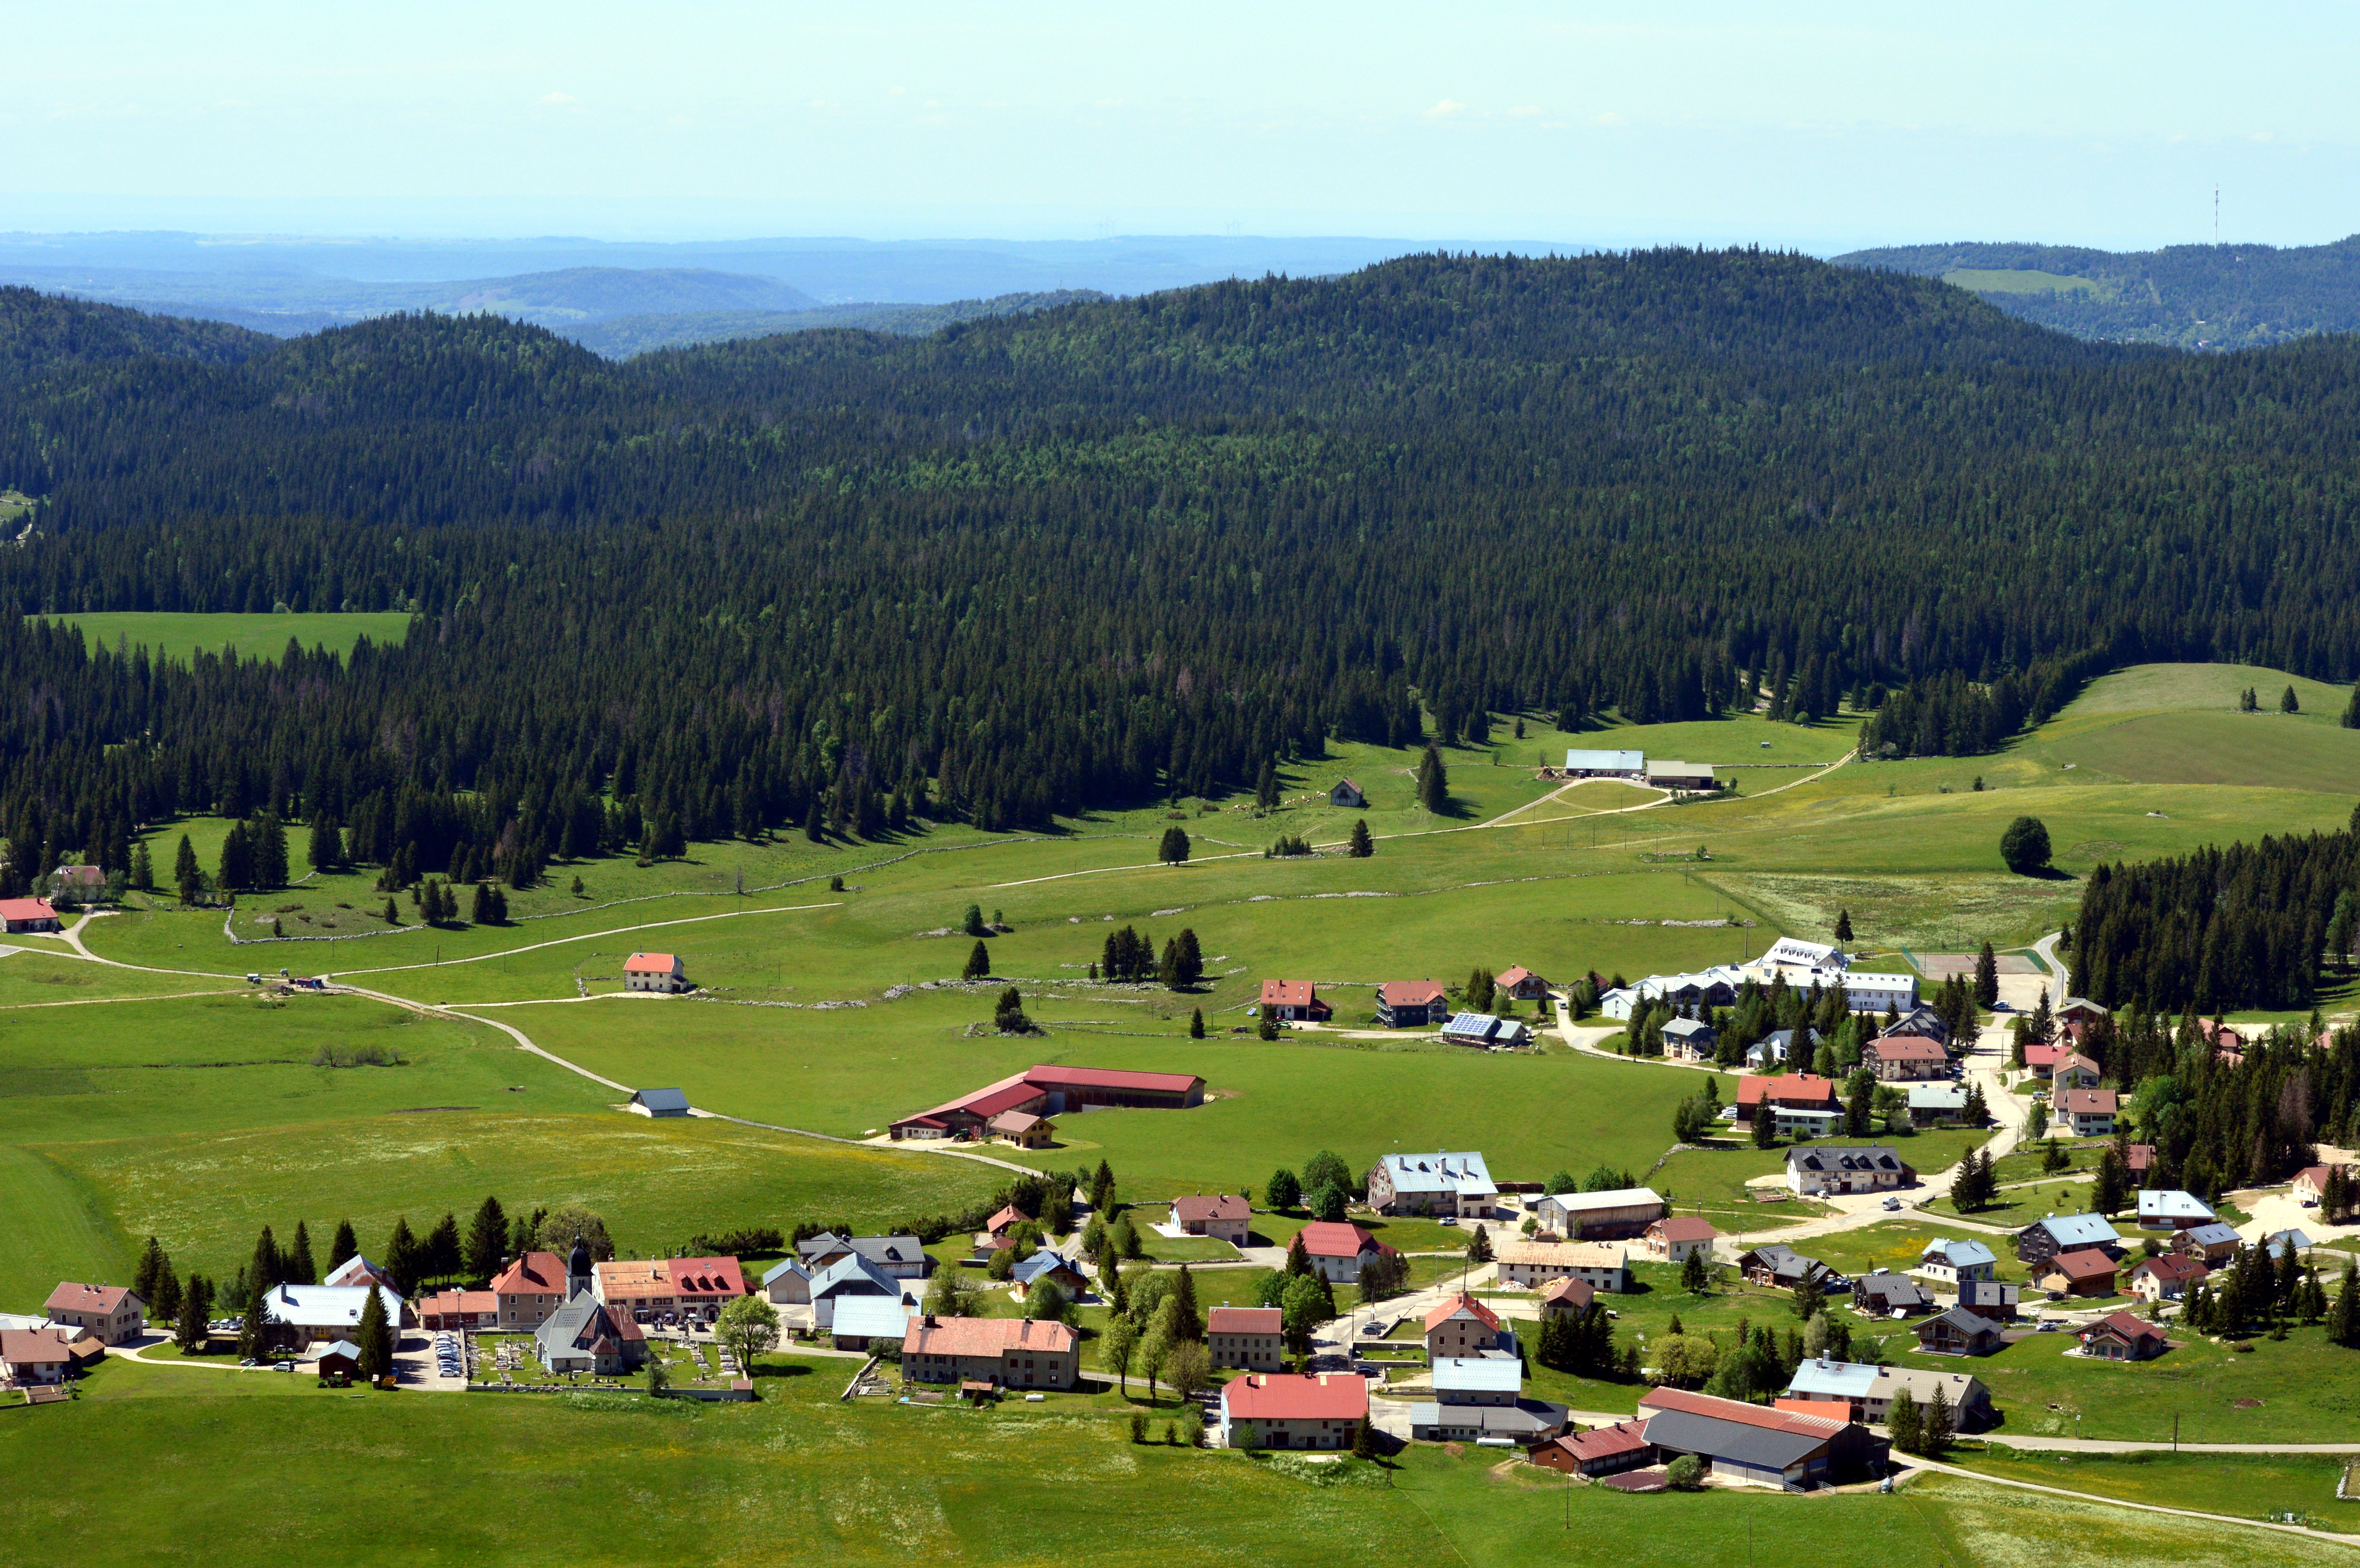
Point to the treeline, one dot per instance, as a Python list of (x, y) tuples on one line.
[(1127, 549)]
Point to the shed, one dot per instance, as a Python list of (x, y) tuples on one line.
[(659, 1102)]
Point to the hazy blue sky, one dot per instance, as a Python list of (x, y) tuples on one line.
[(1822, 125)]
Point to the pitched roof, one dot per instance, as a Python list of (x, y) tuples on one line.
[(1442, 1171), (74, 1297), (1612, 1198), (1565, 1287), (2084, 1263), (1833, 1379), (1245, 1320), (1197, 1208), (447, 1302), (1515, 975), (1291, 1396), (1478, 1374), (664, 961), (1018, 1121), (29, 1346), (1462, 1303), (887, 1251), (1870, 1156), (2077, 1230), (2172, 1266), (660, 1099), (1603, 1441), (358, 1270), (854, 1275), (1966, 1321), (1605, 761), (1908, 1048), (1683, 1227), (1410, 993), (1788, 1089), (2087, 1101), (1959, 1252), (1331, 1238), (535, 1273), (1286, 993), (871, 1317), (792, 1266), (1007, 1218), (1892, 1289), (706, 1276), (327, 1306), (2170, 1204), (26, 909), (1727, 1428), (1562, 1253), (2126, 1324), (1044, 1262), (2220, 1233), (984, 1337), (1017, 1088)]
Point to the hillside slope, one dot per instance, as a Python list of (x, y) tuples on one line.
[(42, 331)]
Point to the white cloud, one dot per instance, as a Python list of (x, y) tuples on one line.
[(559, 100), (1444, 109)]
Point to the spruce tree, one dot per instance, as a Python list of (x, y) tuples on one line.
[(321, 849), (1174, 850), (269, 840), (1901, 1420), (266, 1269), (254, 1332), (1844, 925), (487, 1240), (1765, 1133), (401, 1256), (300, 1269), (143, 870), (1986, 976), (343, 1248), (1197, 1023), (1187, 1322), (979, 964), (2352, 709), (187, 878), (1189, 959), (2287, 703), (189, 1333), (1937, 1426), (1360, 845), (152, 1264), (164, 1306), (1266, 787), (1433, 780), (376, 1338), (1102, 1188), (2344, 1325)]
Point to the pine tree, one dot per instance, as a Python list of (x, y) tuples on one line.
[(1901, 1420), (441, 1256), (143, 870), (254, 1332), (1197, 1023), (1361, 846), (186, 875), (482, 913), (1695, 1277), (1266, 787), (1939, 1423), (2286, 703), (301, 1269), (344, 1248), (2344, 1326), (401, 1257), (1187, 1320), (269, 840), (1844, 925), (267, 1269), (2352, 709), (188, 1333), (1189, 959), (1433, 781), (322, 851), (1174, 850), (1102, 1188), (1986, 976), (1364, 1442), (487, 1240), (375, 1337), (979, 964), (1766, 1135), (153, 1264)]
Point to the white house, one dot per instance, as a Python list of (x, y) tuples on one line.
[(1877, 992), (2171, 1209), (1950, 1260), (1440, 1183), (1280, 1409), (319, 1313), (1868, 1168), (1599, 1264), (654, 972)]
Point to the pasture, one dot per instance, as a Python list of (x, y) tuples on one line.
[(173, 635)]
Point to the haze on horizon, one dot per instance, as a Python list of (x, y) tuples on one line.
[(1834, 126)]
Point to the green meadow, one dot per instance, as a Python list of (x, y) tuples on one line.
[(176, 636)]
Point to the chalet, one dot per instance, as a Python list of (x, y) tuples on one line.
[(1867, 1391), (530, 1289), (2085, 1272), (2167, 1278), (2281, 1241), (313, 1314), (2045, 1238), (2075, 1070), (1671, 1239), (1344, 792), (1338, 1250), (110, 1312), (1917, 1021), (1292, 1000), (1566, 1297), (1685, 1039), (2041, 1060), (1025, 1129), (1438, 1183), (1695, 776), (35, 1357), (1615, 1214), (1522, 983), (2139, 1158), (1224, 1217), (1960, 1332), (2086, 1112), (1630, 765), (1250, 1337), (1411, 1004), (2211, 1244), (849, 1276), (358, 1270), (1747, 1445), (869, 1323), (1480, 1399), (1280, 1409), (78, 885), (659, 1102), (1775, 1048), (1008, 1217), (2080, 1010), (1907, 1058), (1888, 1295), (2309, 1187), (2119, 1337), (1949, 1259), (1865, 1167), (659, 972), (1014, 1353), (2171, 1209), (1059, 1271), (1601, 1265), (1486, 1031), (342, 1359), (1938, 1103), (1777, 1265), (1796, 1091), (1052, 1091), (24, 915), (452, 1311), (1600, 1451), (1464, 1326), (1798, 1126), (585, 1336)]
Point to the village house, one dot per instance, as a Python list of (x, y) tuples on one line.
[(1775, 1048), (1937, 1103), (2139, 1159), (1960, 1332), (1747, 1445), (1486, 1031), (1685, 1039), (35, 1357), (1337, 1249), (1673, 1238), (1344, 792), (2086, 1273), (530, 1289), (2309, 1187), (1411, 1004), (1281, 1409), (1917, 1021), (1223, 1216), (1293, 1001), (1802, 1127), (698, 1287), (2120, 1336), (1782, 1268), (788, 1284), (1600, 1451), (1601, 1266), (1566, 1297), (1014, 1353), (2045, 1238), (110, 1312), (2080, 1010), (24, 915), (1880, 1293), (1794, 1091), (452, 1311), (1864, 1168), (1714, 988), (1793, 953), (1438, 1183), (849, 1276), (1059, 1271), (77, 884), (659, 1102), (1025, 1129), (1522, 983), (1907, 1058), (1250, 1337), (2171, 1209), (358, 1270), (2168, 1277), (2041, 1060), (314, 1314), (1865, 1392), (2074, 1070), (1946, 1260), (661, 972), (869, 1323), (1615, 1214), (1463, 1327), (1480, 1400), (2085, 1113), (2211, 1245), (1050, 1091)]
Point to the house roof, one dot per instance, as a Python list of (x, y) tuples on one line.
[(2140, 1157), (1288, 1395), (1957, 1251), (1749, 1434), (1784, 1260), (2084, 1263), (1688, 1028), (1515, 974), (2074, 1060), (2070, 1231), (26, 909), (1793, 951), (2170, 1204), (1478, 1373), (1565, 1287), (1462, 1303), (1442, 1171), (2172, 1266), (1197, 1208), (618, 1278), (1966, 1321), (886, 1250), (1873, 1156), (2045, 1055), (1018, 1121), (1044, 1262), (1605, 761), (2126, 1324), (327, 1306), (1612, 1198), (778, 1271), (1788, 1089), (535, 1273), (1245, 1320), (1410, 993), (1683, 1227), (1908, 1048), (853, 1275), (358, 1270), (660, 1099), (1286, 993), (446, 1303), (2279, 1240), (871, 1317), (75, 1297), (1332, 1238), (345, 1348), (2087, 1101), (2314, 1174), (1009, 1216), (1603, 1441), (2220, 1233), (1018, 1088), (930, 1336), (706, 1276), (1824, 1379), (813, 1247), (1562, 1253), (1937, 1095), (34, 1346), (1679, 769), (1892, 1289), (641, 963), (1483, 1026)]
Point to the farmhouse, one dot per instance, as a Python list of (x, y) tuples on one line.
[(1672, 1239), (1795, 1091), (1600, 1451), (1917, 1021), (1960, 1332), (659, 1102), (1464, 1326), (1630, 765), (849, 1276), (1907, 1058), (1599, 1264), (1747, 1445), (699, 1286), (1280, 1409), (1937, 1104), (1680, 775), (78, 883), (1015, 1353), (35, 1357), (110, 1312), (1223, 1217), (1292, 1000), (2309, 1187), (2045, 1238), (1485, 1031), (1438, 1183), (1568, 1297), (1052, 1091), (314, 1314), (1411, 1004), (2119, 1337), (1344, 792), (1866, 1392), (2211, 1245), (1801, 1126), (1522, 983), (530, 1289), (1024, 1129), (1337, 1250), (1866, 1168), (1612, 1215), (23, 915), (2085, 1272), (2074, 1070), (2086, 1112), (661, 972), (2171, 1209), (869, 1323), (1250, 1337), (2168, 1277), (1059, 1271), (1685, 1039), (1480, 1400)]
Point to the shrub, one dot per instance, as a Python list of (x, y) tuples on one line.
[(1686, 1473)]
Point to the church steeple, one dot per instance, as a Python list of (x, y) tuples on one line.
[(577, 1269)]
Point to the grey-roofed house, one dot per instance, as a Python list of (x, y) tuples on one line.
[(1889, 1295), (659, 1102), (1443, 1182), (2277, 1241), (788, 1284), (1990, 1298), (2045, 1238), (1485, 1031), (851, 1275), (1479, 1399), (1850, 1168), (902, 1257), (583, 1335), (1949, 1259), (1779, 1265), (1606, 764), (1869, 1390), (310, 1315), (1748, 1445), (1045, 1264), (2213, 1243), (1686, 1039), (866, 1323), (2168, 1208), (816, 1252), (1960, 1332), (1936, 1103)]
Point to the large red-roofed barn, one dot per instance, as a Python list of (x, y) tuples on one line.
[(1052, 1091)]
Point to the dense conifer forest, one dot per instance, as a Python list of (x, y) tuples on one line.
[(1120, 548)]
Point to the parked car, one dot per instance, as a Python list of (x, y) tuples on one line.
[(1893, 1203)]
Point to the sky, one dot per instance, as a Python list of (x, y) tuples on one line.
[(1824, 127)]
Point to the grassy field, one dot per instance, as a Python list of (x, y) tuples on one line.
[(2243, 1486), (1999, 280), (175, 636)]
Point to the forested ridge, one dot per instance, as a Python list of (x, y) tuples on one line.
[(1133, 546)]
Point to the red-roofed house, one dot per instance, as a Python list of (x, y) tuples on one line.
[(37, 1357), (1280, 1409), (1567, 1297), (110, 1312), (455, 1310), (2075, 1072), (530, 1289), (1052, 1091), (2166, 1278), (2084, 1272), (1292, 1000), (1522, 983), (2119, 1337), (2041, 1060), (1224, 1216), (1673, 1238), (1411, 1004), (2309, 1187), (1006, 1220), (1464, 1326), (1337, 1249), (654, 972), (706, 1285), (2086, 1112), (1908, 1059), (1250, 1337), (1796, 1091), (1016, 1353), (1600, 1451), (22, 915)]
